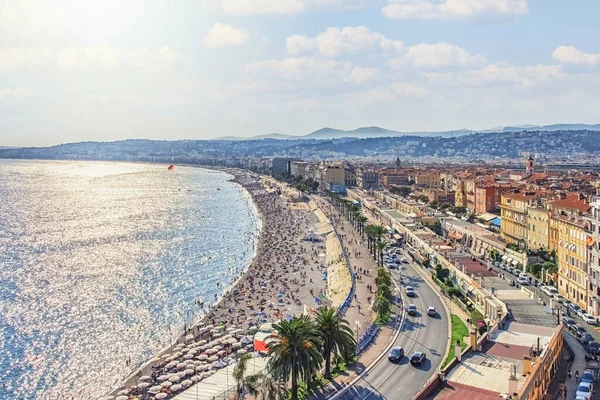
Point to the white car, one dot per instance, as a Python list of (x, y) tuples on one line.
[(523, 280), (584, 390), (559, 297), (590, 319)]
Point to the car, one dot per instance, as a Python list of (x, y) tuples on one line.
[(397, 262), (431, 311), (410, 291), (398, 251), (411, 309), (573, 328), (523, 280), (559, 298), (580, 312), (417, 358), (590, 319), (580, 331), (394, 255), (593, 347), (568, 322), (588, 376), (510, 270), (396, 354), (404, 260), (574, 308), (584, 390), (496, 264), (585, 338)]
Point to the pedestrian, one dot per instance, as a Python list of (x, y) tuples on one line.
[(577, 375), (565, 392), (569, 374)]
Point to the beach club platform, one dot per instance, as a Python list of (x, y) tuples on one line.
[(220, 381)]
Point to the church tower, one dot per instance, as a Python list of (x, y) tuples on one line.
[(529, 166), (397, 164)]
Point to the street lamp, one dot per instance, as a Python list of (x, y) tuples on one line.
[(356, 329)]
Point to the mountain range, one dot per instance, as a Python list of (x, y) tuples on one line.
[(375, 131)]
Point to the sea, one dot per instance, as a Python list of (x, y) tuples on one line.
[(102, 264)]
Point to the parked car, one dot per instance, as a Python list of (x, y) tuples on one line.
[(496, 264), (410, 291), (573, 328), (580, 312), (418, 358), (573, 308), (411, 309), (431, 311), (523, 280), (568, 322), (586, 338), (559, 298), (580, 331), (593, 347), (396, 354), (588, 376), (404, 260), (584, 390), (590, 319)]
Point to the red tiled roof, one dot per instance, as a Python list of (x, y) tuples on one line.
[(572, 202), (507, 350), (458, 391)]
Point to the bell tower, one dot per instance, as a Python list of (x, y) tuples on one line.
[(397, 164), (529, 166)]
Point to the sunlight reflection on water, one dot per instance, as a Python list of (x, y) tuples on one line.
[(104, 261)]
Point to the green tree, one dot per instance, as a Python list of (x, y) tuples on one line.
[(295, 352), (382, 304), (381, 245), (266, 386), (336, 335), (239, 373)]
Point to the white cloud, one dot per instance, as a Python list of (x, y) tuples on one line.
[(437, 55), (570, 55), (274, 7), (350, 40), (223, 35), (24, 58), (15, 93), (399, 90), (494, 75), (360, 75), (454, 9), (300, 68)]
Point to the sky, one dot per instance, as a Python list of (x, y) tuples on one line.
[(78, 70)]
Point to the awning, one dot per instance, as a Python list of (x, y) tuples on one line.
[(397, 236), (514, 262), (590, 241), (508, 260), (504, 257)]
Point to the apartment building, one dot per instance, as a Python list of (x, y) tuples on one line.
[(367, 179), (568, 223), (513, 211), (593, 254), (349, 176), (538, 226), (332, 176), (299, 168)]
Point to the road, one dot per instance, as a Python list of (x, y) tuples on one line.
[(420, 333)]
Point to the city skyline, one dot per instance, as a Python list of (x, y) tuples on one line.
[(91, 70)]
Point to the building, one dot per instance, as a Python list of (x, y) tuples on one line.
[(299, 168), (281, 165), (426, 179), (460, 197), (568, 225), (367, 179), (349, 176), (593, 254), (538, 226), (332, 176), (513, 211), (488, 197)]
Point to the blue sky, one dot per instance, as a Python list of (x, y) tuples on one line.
[(74, 70)]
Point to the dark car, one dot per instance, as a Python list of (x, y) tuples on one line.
[(586, 338), (411, 309), (580, 331), (417, 358), (568, 322), (588, 376), (593, 347), (396, 354)]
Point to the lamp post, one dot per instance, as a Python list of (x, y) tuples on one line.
[(356, 329)]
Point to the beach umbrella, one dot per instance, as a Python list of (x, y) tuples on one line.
[(143, 385), (232, 341), (188, 356), (230, 329), (187, 383), (202, 342), (145, 378), (268, 327), (189, 372), (197, 362), (219, 364), (122, 398), (217, 348), (176, 388), (171, 364), (199, 368), (166, 384), (213, 331), (202, 357), (246, 340), (155, 389), (206, 375), (189, 338), (161, 396), (236, 346), (213, 358), (211, 351), (193, 352), (196, 378), (181, 365), (222, 353), (242, 351), (174, 378)]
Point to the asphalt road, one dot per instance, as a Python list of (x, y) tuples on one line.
[(401, 380)]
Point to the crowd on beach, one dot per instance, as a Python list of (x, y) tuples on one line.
[(286, 276)]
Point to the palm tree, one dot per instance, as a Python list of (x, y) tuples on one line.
[(361, 223), (336, 335), (294, 351), (381, 245), (239, 372), (266, 386), (382, 304)]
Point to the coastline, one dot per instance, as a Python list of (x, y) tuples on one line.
[(279, 255)]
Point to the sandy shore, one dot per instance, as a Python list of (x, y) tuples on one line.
[(286, 275)]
